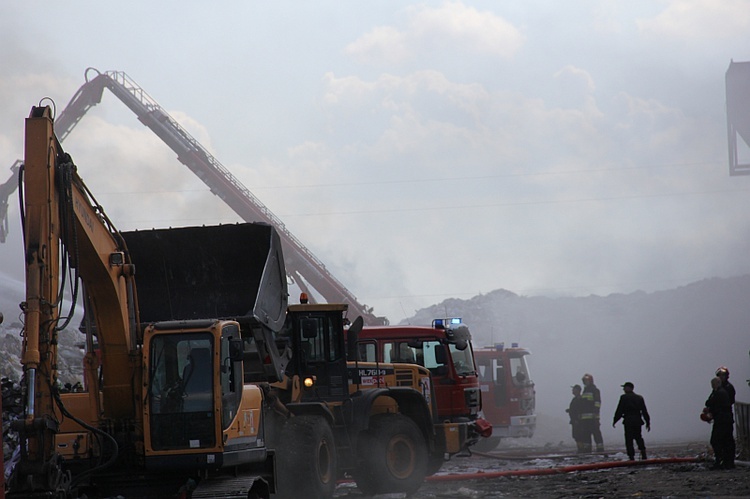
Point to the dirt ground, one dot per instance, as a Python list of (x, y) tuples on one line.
[(645, 480)]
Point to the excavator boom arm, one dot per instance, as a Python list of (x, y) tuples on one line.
[(66, 233)]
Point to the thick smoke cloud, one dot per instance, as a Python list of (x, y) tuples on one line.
[(428, 151)]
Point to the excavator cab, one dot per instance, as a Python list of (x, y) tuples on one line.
[(195, 394)]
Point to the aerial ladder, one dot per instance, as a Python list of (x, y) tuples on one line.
[(303, 268)]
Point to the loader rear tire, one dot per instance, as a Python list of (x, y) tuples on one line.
[(307, 459), (393, 456)]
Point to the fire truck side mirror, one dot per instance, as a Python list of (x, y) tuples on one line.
[(441, 357)]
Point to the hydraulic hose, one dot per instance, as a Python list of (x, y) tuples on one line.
[(558, 470)]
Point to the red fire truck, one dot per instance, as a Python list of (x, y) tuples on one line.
[(508, 395), (445, 349)]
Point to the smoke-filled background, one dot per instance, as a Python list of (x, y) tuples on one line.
[(426, 151)]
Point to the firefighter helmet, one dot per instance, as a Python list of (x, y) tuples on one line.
[(587, 377), (706, 416), (722, 371)]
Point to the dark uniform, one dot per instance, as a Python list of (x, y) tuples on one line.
[(719, 405), (723, 374), (632, 410), (575, 410), (591, 415)]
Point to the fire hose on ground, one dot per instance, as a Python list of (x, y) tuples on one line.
[(559, 469)]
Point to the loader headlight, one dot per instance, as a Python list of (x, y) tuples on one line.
[(309, 382)]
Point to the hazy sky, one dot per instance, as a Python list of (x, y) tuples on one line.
[(420, 150)]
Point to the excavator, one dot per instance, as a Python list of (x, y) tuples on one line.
[(201, 379), (138, 427)]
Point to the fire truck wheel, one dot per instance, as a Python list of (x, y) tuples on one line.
[(307, 458), (486, 444), (393, 456)]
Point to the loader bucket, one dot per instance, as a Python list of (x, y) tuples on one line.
[(223, 271)]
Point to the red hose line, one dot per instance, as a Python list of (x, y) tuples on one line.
[(558, 470)]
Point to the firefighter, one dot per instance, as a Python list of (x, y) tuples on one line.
[(574, 412), (719, 411), (723, 374), (632, 410), (591, 416)]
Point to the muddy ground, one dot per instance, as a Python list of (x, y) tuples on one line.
[(642, 480)]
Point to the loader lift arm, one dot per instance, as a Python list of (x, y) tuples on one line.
[(301, 265)]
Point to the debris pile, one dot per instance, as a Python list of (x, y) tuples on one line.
[(12, 410)]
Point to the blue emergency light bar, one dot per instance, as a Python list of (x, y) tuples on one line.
[(446, 323)]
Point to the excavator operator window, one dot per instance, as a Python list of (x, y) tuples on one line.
[(181, 391)]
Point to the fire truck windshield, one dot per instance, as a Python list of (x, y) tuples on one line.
[(463, 361), (520, 370), (429, 353)]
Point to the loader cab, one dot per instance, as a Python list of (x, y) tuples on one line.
[(318, 346)]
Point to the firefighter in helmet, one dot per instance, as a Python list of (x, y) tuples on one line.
[(591, 414), (719, 412), (723, 374)]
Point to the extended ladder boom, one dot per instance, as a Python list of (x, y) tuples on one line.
[(302, 266)]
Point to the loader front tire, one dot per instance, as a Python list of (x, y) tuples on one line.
[(393, 456), (307, 459)]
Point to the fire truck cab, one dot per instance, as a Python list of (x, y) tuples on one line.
[(445, 349), (508, 395)]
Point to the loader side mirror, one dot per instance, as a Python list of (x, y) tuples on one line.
[(357, 325), (352, 337)]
